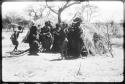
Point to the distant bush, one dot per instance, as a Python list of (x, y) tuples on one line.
[(119, 36)]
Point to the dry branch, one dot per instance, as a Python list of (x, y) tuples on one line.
[(51, 8)]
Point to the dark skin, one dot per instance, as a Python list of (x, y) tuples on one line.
[(15, 37), (56, 36), (45, 36)]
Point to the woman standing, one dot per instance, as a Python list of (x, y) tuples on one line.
[(33, 41)]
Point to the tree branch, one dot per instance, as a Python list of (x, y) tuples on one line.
[(78, 2), (66, 5), (51, 8), (74, 16)]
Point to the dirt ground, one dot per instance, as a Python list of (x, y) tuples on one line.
[(48, 68)]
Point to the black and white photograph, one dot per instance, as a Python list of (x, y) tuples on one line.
[(62, 41)]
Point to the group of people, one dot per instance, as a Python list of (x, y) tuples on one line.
[(63, 38)]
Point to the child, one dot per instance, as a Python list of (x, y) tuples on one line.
[(15, 36)]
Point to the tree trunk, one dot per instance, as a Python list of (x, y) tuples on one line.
[(66, 5), (59, 16)]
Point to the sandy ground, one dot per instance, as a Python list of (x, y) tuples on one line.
[(48, 68)]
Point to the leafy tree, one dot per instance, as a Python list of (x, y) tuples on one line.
[(12, 18), (35, 13), (6, 21)]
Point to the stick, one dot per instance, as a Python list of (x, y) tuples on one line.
[(78, 73), (109, 44), (20, 52)]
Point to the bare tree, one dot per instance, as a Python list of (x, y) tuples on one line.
[(61, 9), (91, 11), (87, 12)]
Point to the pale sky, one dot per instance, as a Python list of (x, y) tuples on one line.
[(110, 10)]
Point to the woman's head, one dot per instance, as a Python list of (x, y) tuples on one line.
[(19, 27)]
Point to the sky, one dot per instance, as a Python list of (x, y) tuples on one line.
[(107, 10)]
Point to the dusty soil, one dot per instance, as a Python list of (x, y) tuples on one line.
[(47, 67)]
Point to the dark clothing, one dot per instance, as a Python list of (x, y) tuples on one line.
[(33, 34), (75, 42), (34, 47), (33, 40), (96, 37), (26, 38), (46, 38), (60, 41), (45, 29)]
